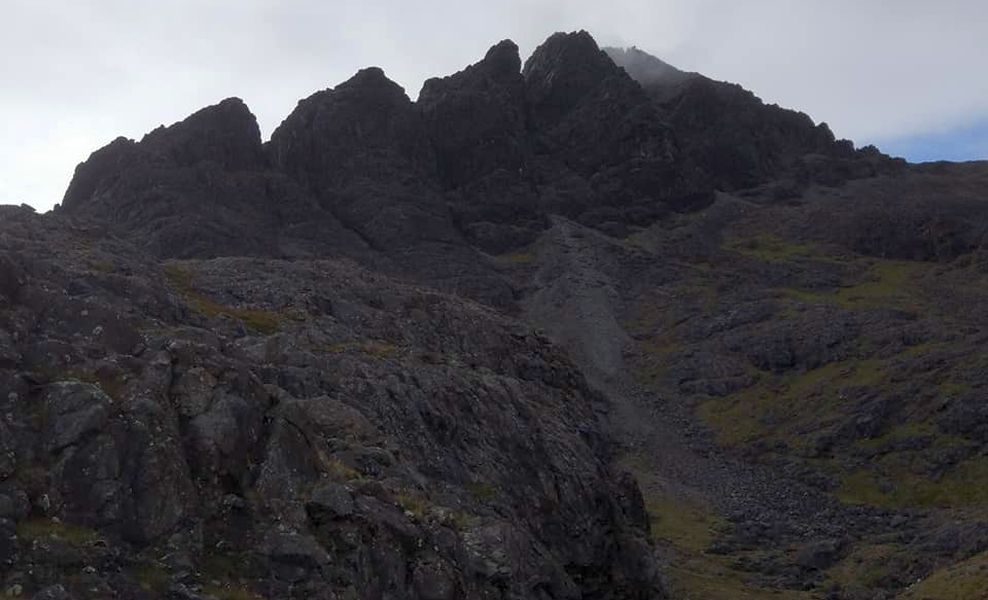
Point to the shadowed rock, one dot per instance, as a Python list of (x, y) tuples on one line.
[(478, 117), (562, 71), (352, 131)]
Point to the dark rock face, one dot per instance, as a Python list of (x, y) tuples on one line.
[(735, 139), (309, 426), (361, 149), (101, 169), (478, 117), (731, 134), (480, 123), (562, 71), (478, 161), (345, 134), (225, 134), (363, 152), (200, 188)]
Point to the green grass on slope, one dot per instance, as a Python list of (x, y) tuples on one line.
[(891, 284), (888, 284), (902, 468), (784, 407), (771, 248), (967, 580), (36, 529), (225, 574), (257, 320), (686, 529), (520, 257), (865, 568), (896, 482)]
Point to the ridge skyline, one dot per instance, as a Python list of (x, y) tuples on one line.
[(960, 141)]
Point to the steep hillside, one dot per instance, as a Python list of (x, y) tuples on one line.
[(798, 398), (243, 427), (583, 326)]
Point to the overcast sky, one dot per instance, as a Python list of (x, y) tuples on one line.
[(907, 75)]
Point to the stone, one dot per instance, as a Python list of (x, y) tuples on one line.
[(819, 555), (293, 556), (434, 581), (14, 504), (8, 542), (75, 410), (330, 501), (54, 592)]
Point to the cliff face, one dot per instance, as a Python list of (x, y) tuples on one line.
[(292, 429), (590, 327), (476, 163)]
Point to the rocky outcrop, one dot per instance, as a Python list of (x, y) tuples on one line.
[(309, 426), (478, 117), (362, 150), (226, 134), (201, 187), (737, 140), (364, 128), (479, 160)]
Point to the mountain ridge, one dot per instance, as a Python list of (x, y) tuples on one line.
[(560, 328), (536, 145)]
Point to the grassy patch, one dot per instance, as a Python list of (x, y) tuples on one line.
[(770, 248), (224, 571), (782, 406), (462, 521), (791, 407), (895, 483), (152, 577), (483, 491), (102, 266), (259, 321), (225, 565), (867, 567), (413, 504), (686, 526), (888, 284), (718, 582), (337, 469), (652, 315), (922, 349), (891, 284), (654, 363), (36, 529), (953, 388), (687, 529), (32, 477), (230, 591), (517, 258), (373, 348), (906, 431), (968, 579), (653, 325), (112, 385)]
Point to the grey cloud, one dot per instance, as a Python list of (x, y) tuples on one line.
[(77, 73)]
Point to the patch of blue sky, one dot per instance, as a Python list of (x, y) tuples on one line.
[(968, 142)]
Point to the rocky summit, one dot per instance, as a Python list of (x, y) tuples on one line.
[(580, 327)]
